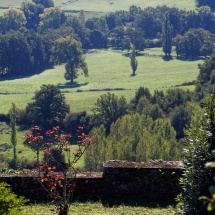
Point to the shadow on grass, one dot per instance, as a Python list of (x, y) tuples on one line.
[(69, 85), (136, 202), (37, 72), (137, 54), (167, 58)]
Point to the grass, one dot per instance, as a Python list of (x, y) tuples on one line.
[(108, 6), (97, 208), (107, 70), (22, 151), (113, 5)]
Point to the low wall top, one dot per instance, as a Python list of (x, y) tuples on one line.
[(151, 165)]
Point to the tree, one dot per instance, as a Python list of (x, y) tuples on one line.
[(108, 109), (134, 62), (10, 203), (59, 186), (51, 17), (134, 138), (194, 43), (80, 30), (81, 17), (40, 55), (206, 78), (205, 3), (14, 61), (13, 117), (68, 50), (141, 92), (196, 178), (32, 12), (134, 36), (167, 36), (98, 39), (48, 108), (44, 3), (192, 20), (13, 19)]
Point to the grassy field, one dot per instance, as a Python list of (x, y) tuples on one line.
[(98, 209), (107, 70), (106, 6)]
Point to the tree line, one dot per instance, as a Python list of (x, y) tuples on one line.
[(28, 34)]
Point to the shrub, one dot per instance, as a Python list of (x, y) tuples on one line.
[(10, 203)]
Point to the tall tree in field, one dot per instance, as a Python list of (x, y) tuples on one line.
[(167, 36), (68, 50), (13, 116), (134, 62)]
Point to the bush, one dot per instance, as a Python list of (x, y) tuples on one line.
[(10, 203)]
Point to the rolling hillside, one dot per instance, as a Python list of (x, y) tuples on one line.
[(105, 6)]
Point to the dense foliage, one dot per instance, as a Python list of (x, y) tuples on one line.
[(10, 203), (194, 43), (197, 178), (206, 78), (205, 3), (133, 137), (49, 107)]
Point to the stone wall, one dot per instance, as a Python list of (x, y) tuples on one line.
[(152, 181)]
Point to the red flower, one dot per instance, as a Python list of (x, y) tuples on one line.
[(47, 152), (56, 128), (50, 133), (36, 128)]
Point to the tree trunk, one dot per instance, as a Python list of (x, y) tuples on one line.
[(71, 80)]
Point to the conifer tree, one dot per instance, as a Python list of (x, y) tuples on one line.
[(167, 36), (134, 62), (13, 116)]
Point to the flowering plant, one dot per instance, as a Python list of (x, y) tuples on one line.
[(58, 185)]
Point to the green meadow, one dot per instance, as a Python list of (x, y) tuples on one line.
[(106, 6), (113, 5), (108, 71)]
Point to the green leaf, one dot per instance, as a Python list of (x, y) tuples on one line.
[(213, 153), (203, 198), (211, 206), (210, 164), (212, 191)]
